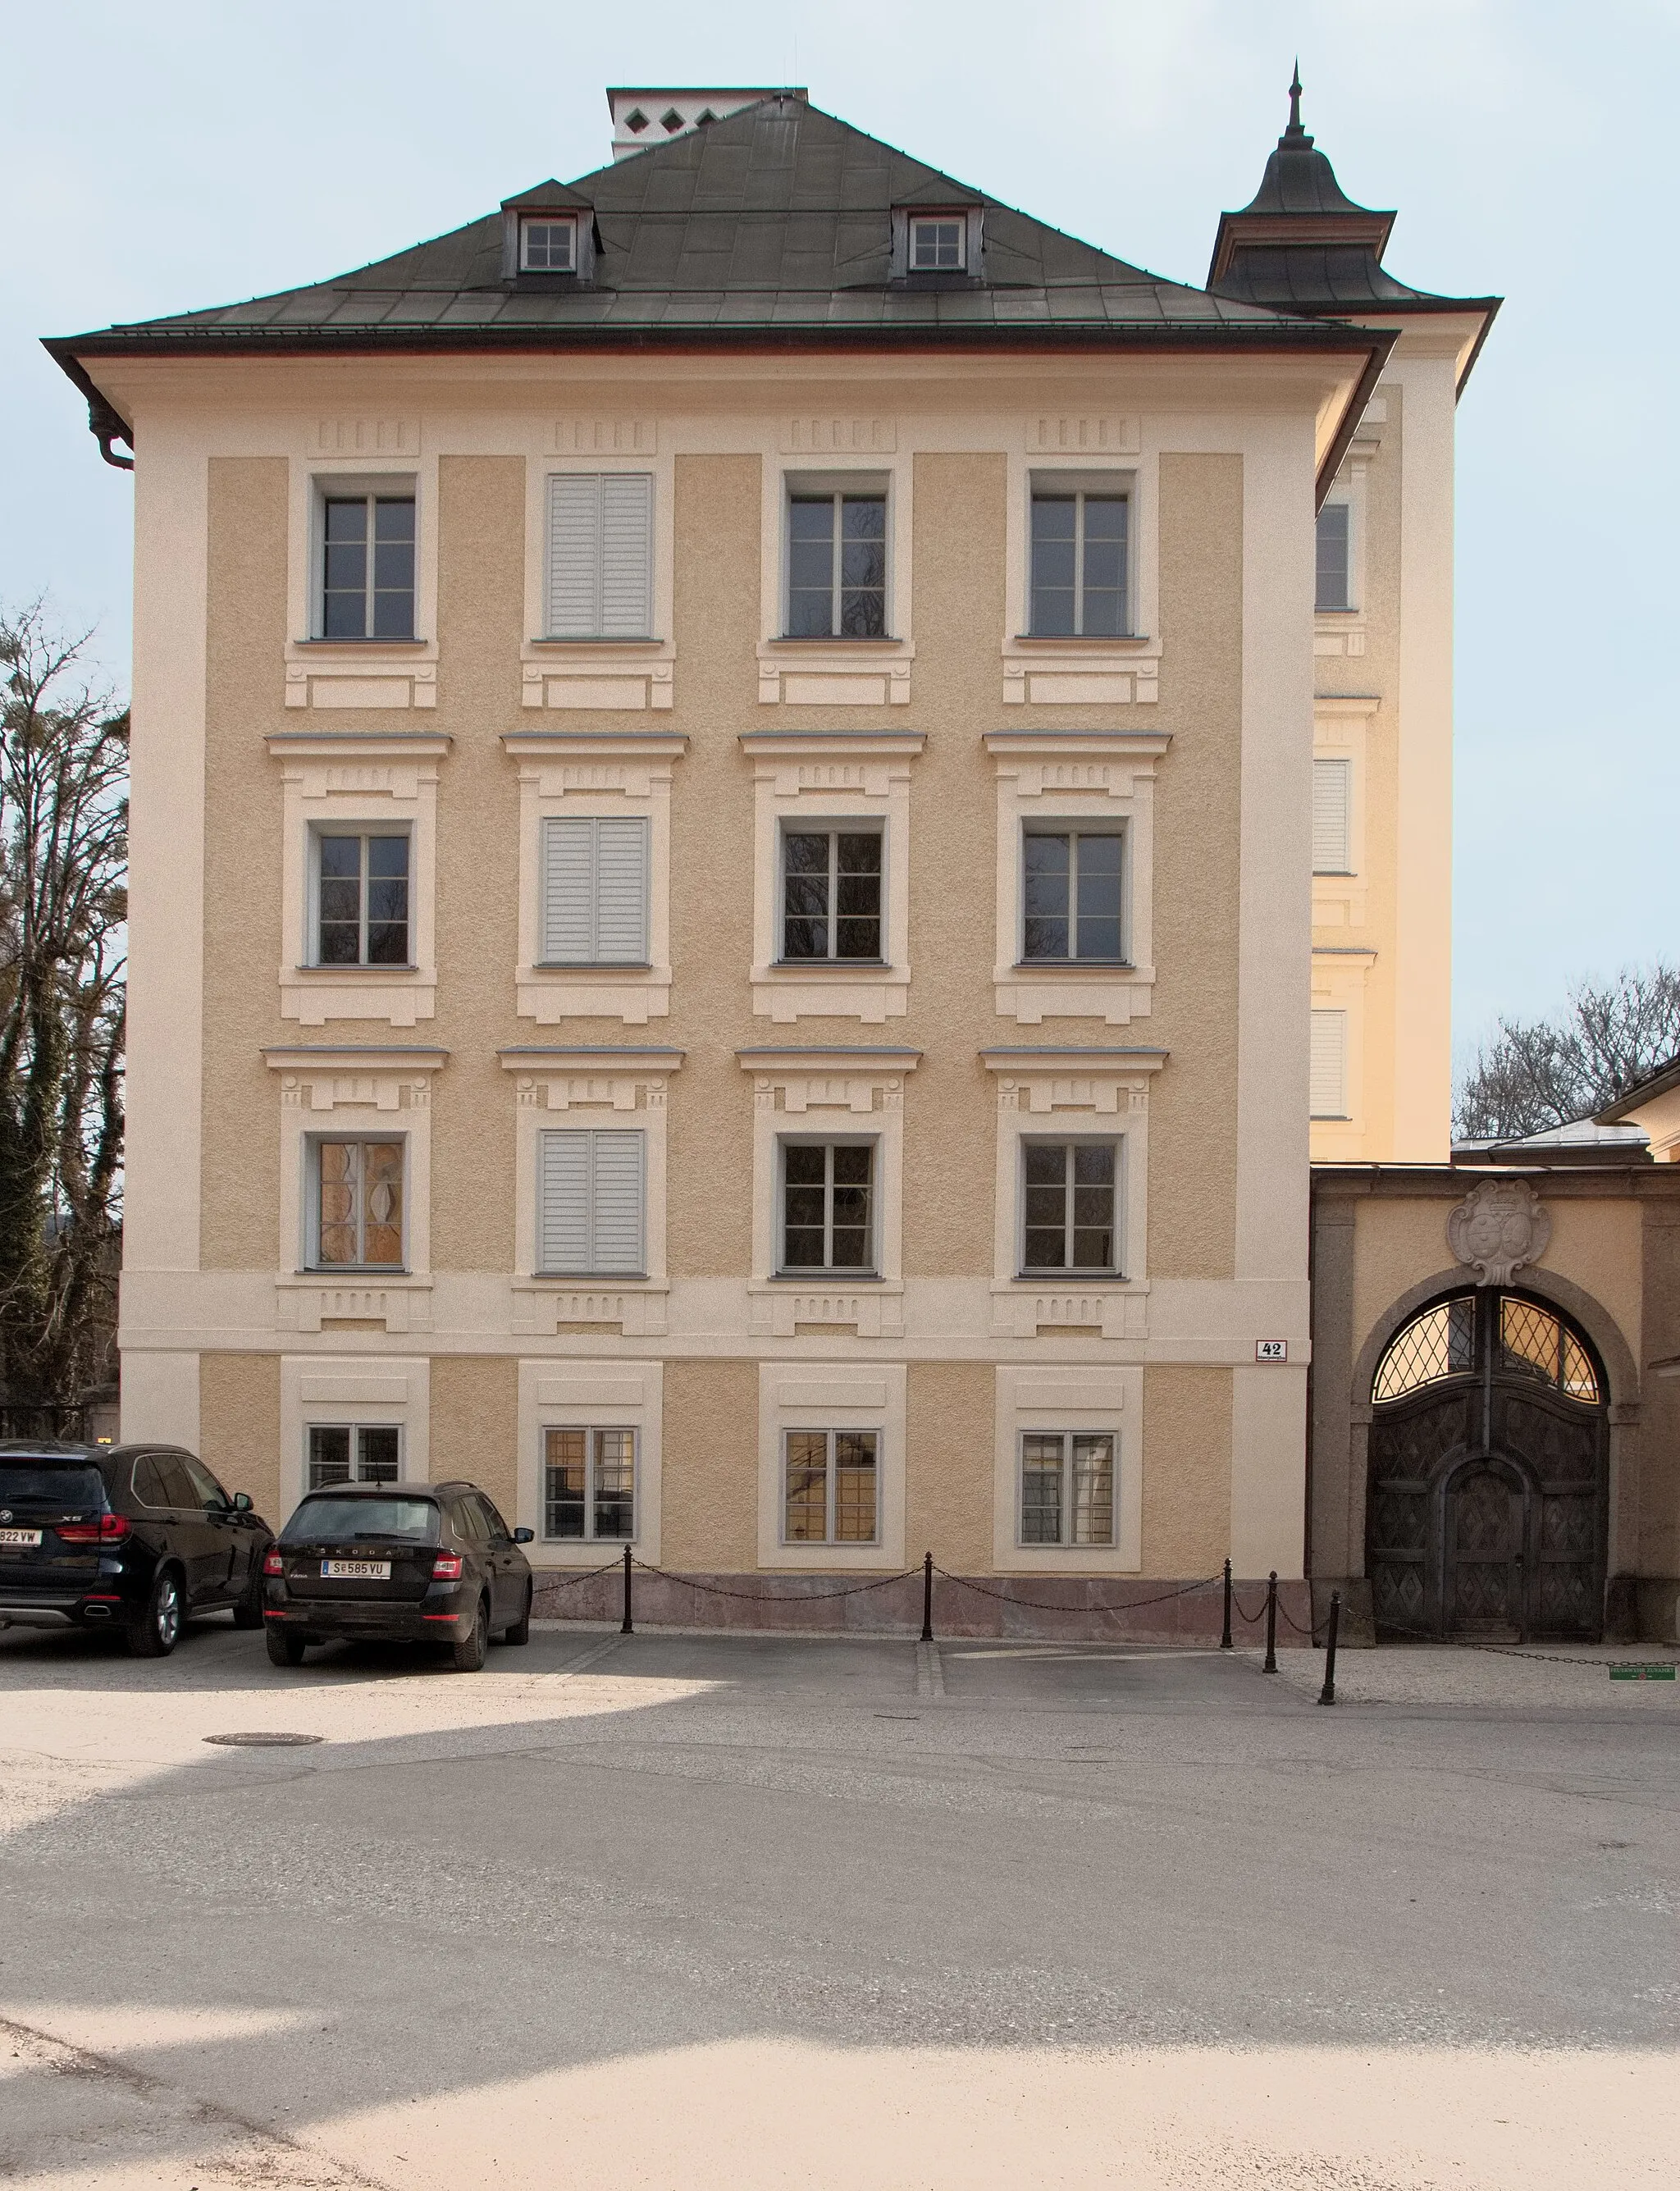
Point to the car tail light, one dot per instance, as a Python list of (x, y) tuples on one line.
[(272, 1563), (108, 1529), (447, 1568)]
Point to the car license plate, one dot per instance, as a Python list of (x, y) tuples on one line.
[(356, 1570), (20, 1536)]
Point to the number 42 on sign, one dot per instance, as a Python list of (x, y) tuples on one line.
[(1271, 1349)]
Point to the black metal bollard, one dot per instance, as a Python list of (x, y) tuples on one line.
[(627, 1626), (927, 1597), (1225, 1633), (1271, 1665), (1327, 1694)]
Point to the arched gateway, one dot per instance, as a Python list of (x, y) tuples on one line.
[(1486, 1506)]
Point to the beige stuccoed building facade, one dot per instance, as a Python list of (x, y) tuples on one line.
[(728, 770)]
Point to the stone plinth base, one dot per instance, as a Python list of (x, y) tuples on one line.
[(1036, 1608)]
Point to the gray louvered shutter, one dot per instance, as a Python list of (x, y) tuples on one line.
[(1327, 1074), (1330, 848), (626, 555), (574, 555), (568, 891), (563, 1202), (619, 1195), (621, 890)]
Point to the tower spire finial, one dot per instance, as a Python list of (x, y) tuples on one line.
[(1295, 134)]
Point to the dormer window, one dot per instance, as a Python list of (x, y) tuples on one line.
[(547, 244), (939, 244)]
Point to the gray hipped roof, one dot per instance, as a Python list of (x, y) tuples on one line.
[(774, 222)]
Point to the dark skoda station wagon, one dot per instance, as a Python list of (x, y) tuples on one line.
[(135, 1539), (397, 1563)]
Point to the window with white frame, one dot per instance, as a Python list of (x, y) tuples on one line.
[(1335, 553), (589, 1485), (1327, 1073), (1332, 817), (593, 885), (831, 894), (1073, 896), (1067, 1488), (837, 564), (359, 1453), (591, 1202), (828, 1206), (366, 563), (830, 1487), (600, 555), (1070, 1193), (1081, 563), (938, 243), (361, 897), (355, 1204), (547, 244)]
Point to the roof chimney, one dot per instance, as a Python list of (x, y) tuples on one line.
[(642, 119)]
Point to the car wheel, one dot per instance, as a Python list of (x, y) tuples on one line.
[(520, 1631), (284, 1650), (247, 1610), (471, 1650), (158, 1629)]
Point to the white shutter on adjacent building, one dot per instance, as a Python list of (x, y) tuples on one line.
[(600, 555), (1332, 850), (594, 891), (590, 1202), (1327, 1071)]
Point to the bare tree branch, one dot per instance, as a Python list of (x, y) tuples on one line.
[(1533, 1075)]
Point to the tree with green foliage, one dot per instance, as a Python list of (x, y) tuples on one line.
[(1539, 1073), (64, 822)]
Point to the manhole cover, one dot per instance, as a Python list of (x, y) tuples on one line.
[(266, 1738)]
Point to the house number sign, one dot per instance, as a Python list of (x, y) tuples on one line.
[(1271, 1349)]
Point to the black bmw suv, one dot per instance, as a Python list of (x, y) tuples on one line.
[(397, 1564), (132, 1538)]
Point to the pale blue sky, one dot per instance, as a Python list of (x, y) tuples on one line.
[(188, 153)]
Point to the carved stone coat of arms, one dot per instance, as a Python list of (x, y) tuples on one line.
[(1500, 1225)]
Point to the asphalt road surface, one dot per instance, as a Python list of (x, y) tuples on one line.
[(679, 1910)]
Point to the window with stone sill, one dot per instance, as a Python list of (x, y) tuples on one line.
[(1334, 571), (1073, 897), (829, 1486), (1069, 1209), (361, 897), (589, 1485), (831, 894), (828, 1207), (367, 544), (355, 1205), (1067, 1488), (364, 1452), (837, 564), (1080, 564)]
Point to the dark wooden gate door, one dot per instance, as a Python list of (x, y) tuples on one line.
[(1486, 1517), (1487, 1494)]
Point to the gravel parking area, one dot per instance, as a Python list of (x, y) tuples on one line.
[(681, 1909)]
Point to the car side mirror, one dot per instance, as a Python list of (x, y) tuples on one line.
[(524, 1536), (241, 1502)]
